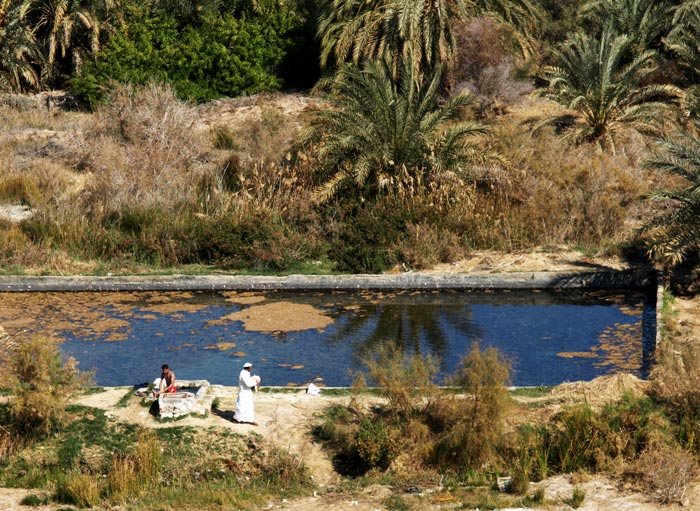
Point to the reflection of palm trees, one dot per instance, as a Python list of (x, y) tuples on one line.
[(412, 322)]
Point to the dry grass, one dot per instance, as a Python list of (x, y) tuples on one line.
[(665, 473), (83, 490), (108, 186)]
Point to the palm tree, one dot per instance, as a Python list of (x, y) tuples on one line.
[(684, 43), (645, 21), (58, 23), (18, 48), (381, 133), (597, 78), (361, 30), (675, 233)]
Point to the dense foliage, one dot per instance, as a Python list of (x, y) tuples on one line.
[(205, 57), (396, 169)]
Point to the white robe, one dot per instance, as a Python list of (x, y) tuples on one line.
[(245, 409)]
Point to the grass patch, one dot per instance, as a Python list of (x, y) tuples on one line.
[(34, 500), (539, 391), (89, 391), (124, 400)]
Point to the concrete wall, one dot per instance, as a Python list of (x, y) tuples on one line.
[(514, 280)]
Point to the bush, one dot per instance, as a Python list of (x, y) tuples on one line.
[(42, 384), (469, 427), (148, 457), (376, 444), (577, 497), (406, 381), (122, 479), (666, 473), (156, 46), (676, 384), (21, 188), (576, 437), (69, 452)]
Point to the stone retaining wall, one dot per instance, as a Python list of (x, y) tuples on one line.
[(410, 280)]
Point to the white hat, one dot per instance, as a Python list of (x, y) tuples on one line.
[(247, 365)]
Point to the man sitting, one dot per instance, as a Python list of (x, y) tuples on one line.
[(166, 383)]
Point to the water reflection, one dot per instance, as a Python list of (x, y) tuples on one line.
[(295, 338), (419, 324)]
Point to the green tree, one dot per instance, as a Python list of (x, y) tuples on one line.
[(596, 78), (405, 380), (359, 31), (18, 48), (644, 21), (68, 31), (42, 384), (381, 134), (684, 44), (675, 232), (209, 57), (472, 426)]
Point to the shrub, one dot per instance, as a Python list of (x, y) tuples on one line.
[(470, 426), (666, 473), (406, 381), (576, 436), (281, 469), (21, 188), (553, 195), (377, 445), (122, 479), (43, 383), (484, 66), (68, 452), (365, 236), (520, 481), (676, 384), (148, 457), (577, 497)]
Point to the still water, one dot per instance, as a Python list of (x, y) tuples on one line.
[(300, 337)]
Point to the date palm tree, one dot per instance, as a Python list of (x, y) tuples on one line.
[(381, 132), (362, 30), (58, 23), (596, 78), (645, 21), (675, 233), (18, 48), (358, 30), (684, 43)]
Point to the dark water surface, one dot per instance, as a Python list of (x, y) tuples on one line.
[(550, 336)]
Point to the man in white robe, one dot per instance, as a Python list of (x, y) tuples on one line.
[(247, 383)]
